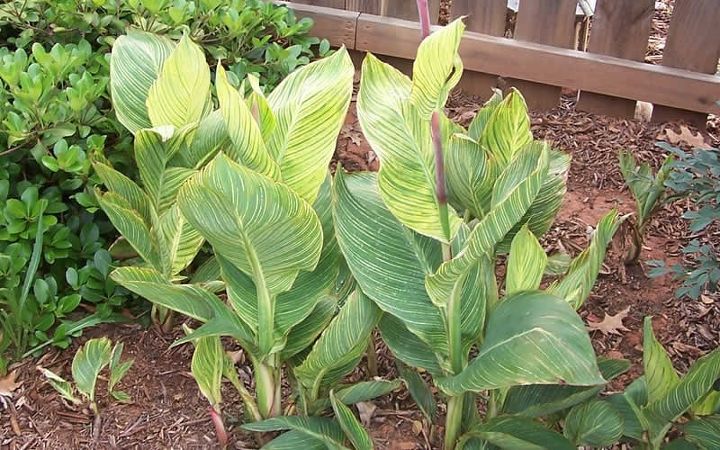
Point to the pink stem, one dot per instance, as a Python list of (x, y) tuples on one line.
[(217, 421), (424, 12)]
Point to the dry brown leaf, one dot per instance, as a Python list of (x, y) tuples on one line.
[(684, 137), (366, 411), (348, 132), (8, 384), (611, 324)]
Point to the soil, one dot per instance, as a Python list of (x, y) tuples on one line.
[(167, 410)]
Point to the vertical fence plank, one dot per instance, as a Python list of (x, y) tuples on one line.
[(693, 43), (365, 6), (339, 4), (549, 22), (620, 28), (487, 17)]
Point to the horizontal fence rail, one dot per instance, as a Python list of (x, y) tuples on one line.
[(541, 57)]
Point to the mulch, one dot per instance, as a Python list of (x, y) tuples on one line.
[(168, 412)]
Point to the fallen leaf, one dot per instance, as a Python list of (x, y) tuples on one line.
[(350, 133), (684, 137), (611, 324), (366, 411), (8, 384)]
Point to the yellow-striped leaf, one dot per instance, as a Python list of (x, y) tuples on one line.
[(181, 94), (660, 375), (526, 263), (136, 62), (471, 173), (248, 147), (400, 136), (309, 108), (207, 368), (351, 425), (508, 128), (89, 360)]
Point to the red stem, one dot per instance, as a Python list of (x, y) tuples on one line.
[(217, 421), (424, 12)]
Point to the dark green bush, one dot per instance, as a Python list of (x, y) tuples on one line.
[(56, 117)]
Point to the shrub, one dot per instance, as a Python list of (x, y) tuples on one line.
[(696, 177)]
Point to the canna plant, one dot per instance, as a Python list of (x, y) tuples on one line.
[(430, 264), (251, 179), (648, 191)]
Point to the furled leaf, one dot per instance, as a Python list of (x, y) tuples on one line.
[(247, 147), (89, 360), (400, 136), (660, 375), (576, 285), (531, 338), (136, 62), (310, 107), (516, 433), (117, 368), (437, 69), (181, 94), (526, 263), (207, 368), (594, 423), (351, 426), (388, 261), (471, 173), (507, 129)]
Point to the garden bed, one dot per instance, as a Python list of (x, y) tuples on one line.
[(168, 411)]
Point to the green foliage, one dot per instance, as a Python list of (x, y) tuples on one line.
[(696, 176), (431, 267), (648, 189), (89, 361)]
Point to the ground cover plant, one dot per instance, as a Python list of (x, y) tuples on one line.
[(57, 117)]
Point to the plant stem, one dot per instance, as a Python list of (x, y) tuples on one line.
[(453, 421), (424, 13), (372, 358), (267, 386), (220, 432)]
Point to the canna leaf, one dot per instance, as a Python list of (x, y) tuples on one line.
[(136, 62), (407, 347), (179, 241), (89, 360), (530, 338), (507, 129), (704, 432), (126, 189), (310, 107), (437, 69), (260, 108), (660, 375), (419, 391), (400, 136), (207, 368), (471, 172), (118, 369), (526, 263), (389, 261), (351, 425), (247, 146), (292, 440), (480, 121), (516, 433), (318, 428), (181, 94), (576, 285), (594, 423), (62, 386)]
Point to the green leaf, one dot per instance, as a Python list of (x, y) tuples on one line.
[(319, 428), (576, 285), (62, 386), (306, 332), (437, 69), (526, 263), (508, 128), (471, 173), (515, 433), (531, 338), (137, 59), (660, 375), (260, 108), (594, 423), (310, 107), (181, 93), (628, 405), (479, 122), (293, 440), (365, 391), (117, 369), (419, 391), (407, 347), (704, 432), (544, 399), (351, 425), (179, 241), (389, 262), (514, 192), (400, 136), (247, 147), (207, 368), (89, 360), (125, 188), (342, 343)]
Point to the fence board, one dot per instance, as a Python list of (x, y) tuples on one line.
[(483, 16), (339, 4), (337, 26), (366, 6), (693, 43), (620, 28), (548, 22)]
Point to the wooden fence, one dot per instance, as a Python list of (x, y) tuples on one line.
[(541, 58)]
